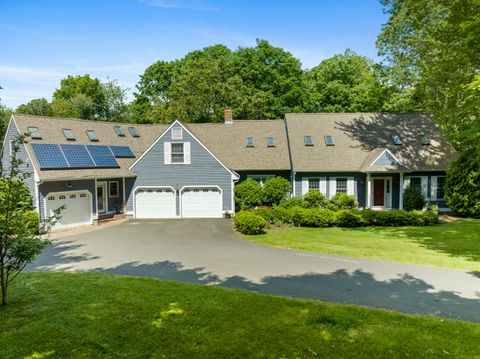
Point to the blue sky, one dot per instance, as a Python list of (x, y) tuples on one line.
[(42, 41)]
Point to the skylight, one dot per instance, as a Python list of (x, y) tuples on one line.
[(308, 140), (68, 134), (133, 132), (250, 142), (34, 133), (329, 140), (270, 142), (397, 140), (92, 136), (424, 139), (120, 132)]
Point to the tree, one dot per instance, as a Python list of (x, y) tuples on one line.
[(346, 83), (413, 199), (276, 189), (5, 114), (39, 107), (248, 194), (19, 224), (431, 51), (462, 187)]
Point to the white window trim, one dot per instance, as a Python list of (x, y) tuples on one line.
[(11, 147), (322, 184), (350, 186), (260, 177), (109, 189), (434, 188)]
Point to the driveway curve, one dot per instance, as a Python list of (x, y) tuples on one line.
[(208, 252)]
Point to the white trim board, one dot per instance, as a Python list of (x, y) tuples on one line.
[(390, 153)]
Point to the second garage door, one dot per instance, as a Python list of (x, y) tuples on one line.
[(155, 203), (202, 203)]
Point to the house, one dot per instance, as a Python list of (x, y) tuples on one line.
[(98, 168)]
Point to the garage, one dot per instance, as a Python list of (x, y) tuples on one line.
[(202, 202), (78, 207), (155, 203)]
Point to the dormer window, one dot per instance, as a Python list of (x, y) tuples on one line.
[(308, 140), (329, 140), (270, 142), (34, 133), (250, 142), (68, 134), (92, 136), (424, 139), (397, 140), (119, 131), (133, 132)]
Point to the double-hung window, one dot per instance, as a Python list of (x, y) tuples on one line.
[(178, 155), (440, 188), (341, 185), (113, 189), (416, 182), (314, 184)]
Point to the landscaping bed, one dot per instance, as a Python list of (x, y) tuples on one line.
[(65, 315)]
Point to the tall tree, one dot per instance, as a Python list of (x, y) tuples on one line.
[(431, 49), (39, 106), (346, 82)]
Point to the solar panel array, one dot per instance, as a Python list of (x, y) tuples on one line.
[(54, 156)]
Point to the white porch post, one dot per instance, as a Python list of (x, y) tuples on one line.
[(400, 201), (369, 190)]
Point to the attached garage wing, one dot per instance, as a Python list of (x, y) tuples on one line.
[(202, 202), (155, 203), (77, 208)]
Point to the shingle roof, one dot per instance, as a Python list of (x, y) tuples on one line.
[(358, 136), (228, 142), (51, 131)]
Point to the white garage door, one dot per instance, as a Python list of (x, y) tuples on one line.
[(202, 203), (78, 208), (155, 203)]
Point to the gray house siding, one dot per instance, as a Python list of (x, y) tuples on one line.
[(61, 186), (129, 185), (22, 154), (204, 169), (359, 183)]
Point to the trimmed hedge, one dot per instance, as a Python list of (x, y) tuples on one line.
[(249, 223), (315, 217)]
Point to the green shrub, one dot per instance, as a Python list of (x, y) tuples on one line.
[(349, 218), (292, 202), (249, 223), (276, 189), (342, 201), (462, 186), (413, 199), (369, 216), (248, 194), (264, 212), (32, 220), (281, 215), (315, 199), (297, 215), (395, 218)]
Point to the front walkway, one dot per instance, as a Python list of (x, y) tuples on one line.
[(208, 252)]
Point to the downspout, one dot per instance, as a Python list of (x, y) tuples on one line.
[(292, 170)]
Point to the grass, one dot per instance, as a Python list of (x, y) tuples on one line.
[(452, 245), (87, 315)]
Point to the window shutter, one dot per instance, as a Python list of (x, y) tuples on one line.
[(167, 152), (304, 185), (186, 153), (406, 183), (323, 185), (425, 186), (333, 186), (433, 188), (350, 186)]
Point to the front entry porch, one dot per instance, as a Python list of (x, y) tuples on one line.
[(384, 191)]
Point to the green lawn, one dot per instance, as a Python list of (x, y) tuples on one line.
[(452, 245), (62, 315)]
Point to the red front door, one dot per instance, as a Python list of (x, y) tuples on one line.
[(379, 192)]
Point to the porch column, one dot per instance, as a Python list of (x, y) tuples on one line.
[(400, 200), (369, 190), (124, 205)]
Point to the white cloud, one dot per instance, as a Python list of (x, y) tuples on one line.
[(7, 71), (199, 5)]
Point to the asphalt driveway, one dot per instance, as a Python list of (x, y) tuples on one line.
[(208, 252)]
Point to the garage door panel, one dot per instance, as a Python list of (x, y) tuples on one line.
[(77, 208), (202, 203), (155, 203)]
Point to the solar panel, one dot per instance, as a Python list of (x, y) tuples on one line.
[(122, 151), (102, 156), (49, 156), (77, 156)]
